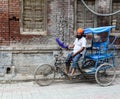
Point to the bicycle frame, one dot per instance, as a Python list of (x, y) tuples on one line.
[(58, 62)]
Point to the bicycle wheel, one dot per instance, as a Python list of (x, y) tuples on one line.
[(105, 74), (44, 75)]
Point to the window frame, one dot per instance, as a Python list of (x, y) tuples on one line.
[(84, 19), (44, 32)]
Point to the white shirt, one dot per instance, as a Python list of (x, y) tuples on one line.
[(78, 44)]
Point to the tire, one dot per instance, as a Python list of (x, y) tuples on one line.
[(105, 74), (44, 75), (88, 64)]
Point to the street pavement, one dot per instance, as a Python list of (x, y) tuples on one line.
[(59, 90)]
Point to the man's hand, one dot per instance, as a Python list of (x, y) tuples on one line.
[(73, 54), (70, 46)]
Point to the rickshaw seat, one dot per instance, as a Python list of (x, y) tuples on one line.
[(98, 56), (101, 51), (100, 45)]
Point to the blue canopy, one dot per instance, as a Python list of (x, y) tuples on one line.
[(98, 30)]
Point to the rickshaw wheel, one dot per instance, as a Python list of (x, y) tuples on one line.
[(88, 64), (44, 75), (105, 74)]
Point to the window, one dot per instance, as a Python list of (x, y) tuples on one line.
[(116, 17), (82, 18), (33, 17)]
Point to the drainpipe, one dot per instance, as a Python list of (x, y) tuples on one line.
[(9, 21), (75, 14), (69, 20)]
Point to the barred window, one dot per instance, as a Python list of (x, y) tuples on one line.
[(33, 17), (116, 17), (83, 20)]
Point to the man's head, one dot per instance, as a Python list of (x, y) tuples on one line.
[(80, 32)]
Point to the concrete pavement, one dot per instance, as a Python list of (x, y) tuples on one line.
[(59, 90)]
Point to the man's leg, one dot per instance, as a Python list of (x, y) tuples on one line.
[(73, 71), (75, 63), (67, 69), (68, 61)]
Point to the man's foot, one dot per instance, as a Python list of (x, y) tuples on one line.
[(71, 76), (73, 71)]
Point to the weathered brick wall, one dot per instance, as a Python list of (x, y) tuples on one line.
[(9, 23), (57, 13), (14, 15), (4, 22)]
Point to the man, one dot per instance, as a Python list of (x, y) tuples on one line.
[(78, 46)]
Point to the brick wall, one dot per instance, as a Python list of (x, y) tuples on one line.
[(14, 19), (4, 22), (10, 28), (15, 36)]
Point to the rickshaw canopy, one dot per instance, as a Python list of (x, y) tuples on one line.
[(98, 30)]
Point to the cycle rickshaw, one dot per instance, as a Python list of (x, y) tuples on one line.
[(97, 64)]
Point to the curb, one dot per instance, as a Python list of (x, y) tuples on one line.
[(27, 77)]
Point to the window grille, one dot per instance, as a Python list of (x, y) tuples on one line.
[(116, 18), (33, 17), (83, 20)]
